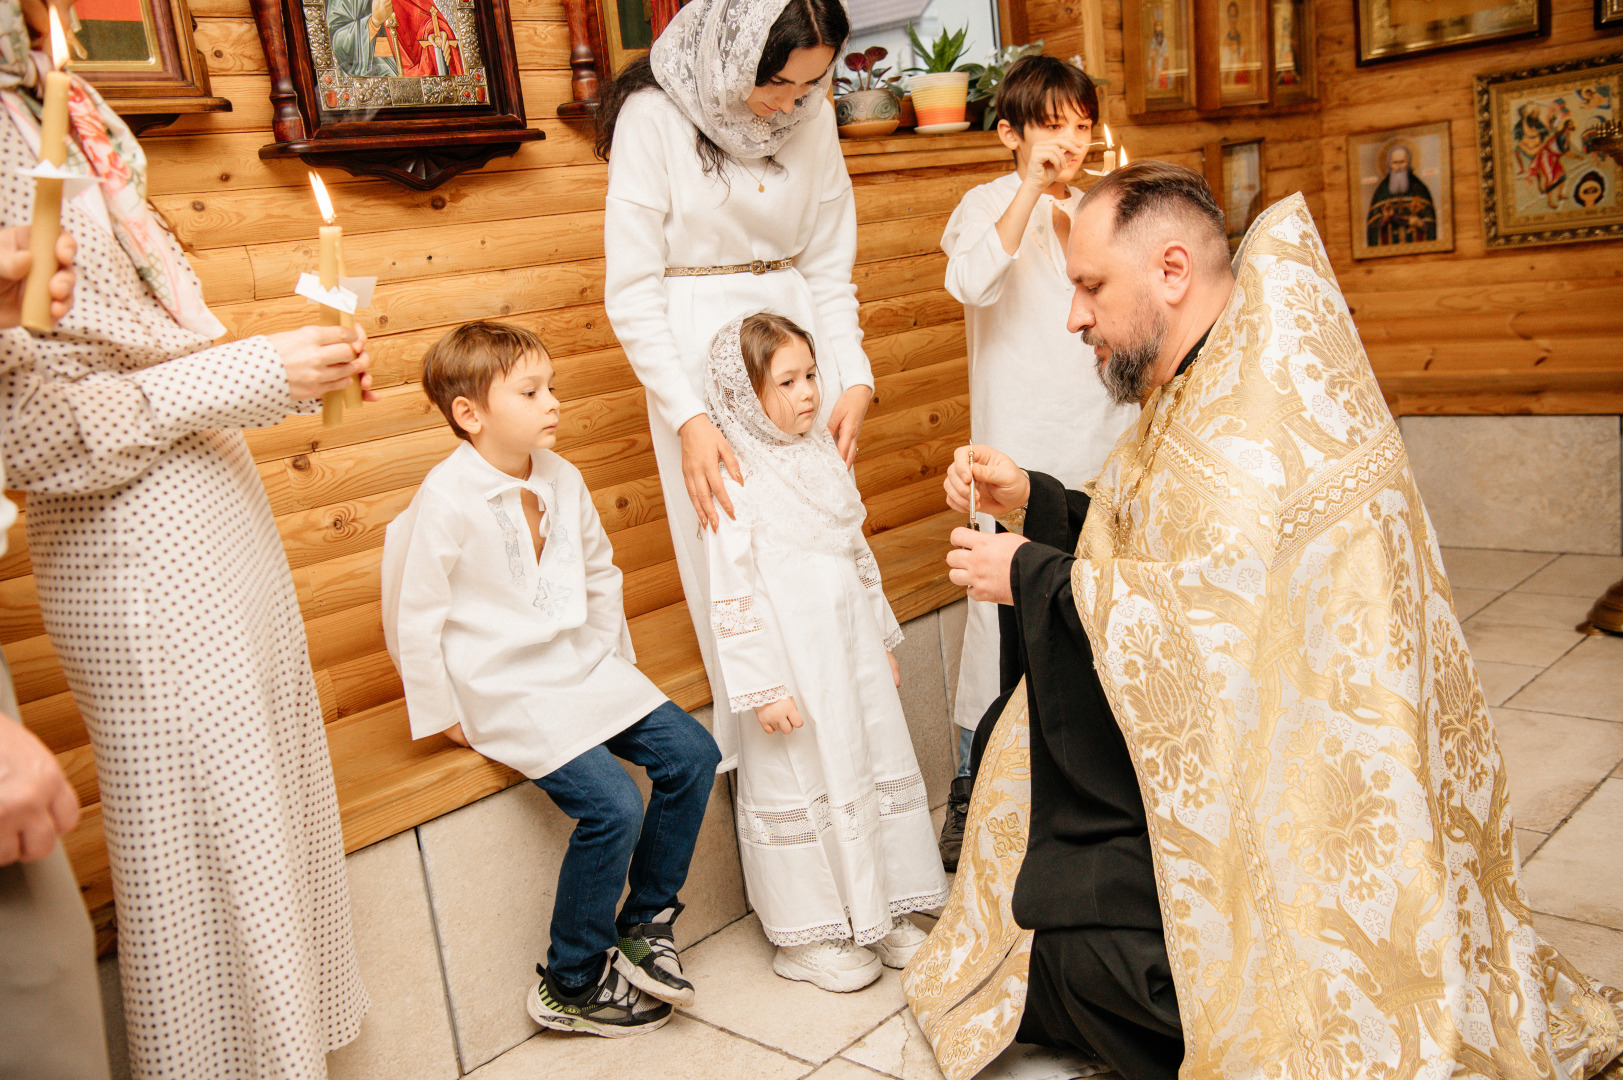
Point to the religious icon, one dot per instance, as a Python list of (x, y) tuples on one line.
[(1242, 45), (1545, 178), (113, 35), (1390, 29), (1401, 191), (1158, 64), (376, 55), (1243, 197), (1293, 52)]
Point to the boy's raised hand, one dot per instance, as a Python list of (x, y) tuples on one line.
[(1049, 158), (780, 716)]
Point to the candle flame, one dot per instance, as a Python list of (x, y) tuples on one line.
[(322, 201), (1109, 142), (1123, 160), (59, 41)]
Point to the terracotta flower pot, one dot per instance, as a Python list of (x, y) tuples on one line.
[(940, 98), (867, 113)]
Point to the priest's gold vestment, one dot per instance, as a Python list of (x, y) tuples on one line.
[(1334, 848)]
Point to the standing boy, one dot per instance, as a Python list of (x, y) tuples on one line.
[(502, 610), (1005, 250)]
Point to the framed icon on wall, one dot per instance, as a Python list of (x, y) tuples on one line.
[(1401, 191)]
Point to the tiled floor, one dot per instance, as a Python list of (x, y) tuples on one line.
[(1557, 700)]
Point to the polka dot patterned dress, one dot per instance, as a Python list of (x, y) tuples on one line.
[(167, 596)]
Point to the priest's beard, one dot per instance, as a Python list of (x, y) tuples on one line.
[(1397, 181), (1131, 366)]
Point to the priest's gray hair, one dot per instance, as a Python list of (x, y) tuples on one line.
[(1154, 192)]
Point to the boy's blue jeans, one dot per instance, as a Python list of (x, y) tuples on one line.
[(612, 833)]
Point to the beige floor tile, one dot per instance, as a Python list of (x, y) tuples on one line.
[(898, 1048), (841, 1069), (1467, 602), (1534, 645), (1596, 950), (1500, 681), (1527, 842), (1554, 762), (732, 972), (1484, 568), (1588, 681), (407, 1031), (1576, 575), (684, 1049), (1520, 608), (1577, 873)]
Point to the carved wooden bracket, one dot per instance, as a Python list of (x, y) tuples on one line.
[(417, 130)]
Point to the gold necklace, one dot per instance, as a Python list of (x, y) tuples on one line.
[(760, 181)]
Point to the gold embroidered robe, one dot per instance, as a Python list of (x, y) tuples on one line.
[(1270, 620)]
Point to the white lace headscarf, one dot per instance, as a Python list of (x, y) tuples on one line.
[(798, 492), (706, 62)]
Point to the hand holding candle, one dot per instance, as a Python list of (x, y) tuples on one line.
[(17, 260), (332, 268), (47, 224)]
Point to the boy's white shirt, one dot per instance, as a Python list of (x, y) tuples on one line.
[(533, 659), (1034, 391)]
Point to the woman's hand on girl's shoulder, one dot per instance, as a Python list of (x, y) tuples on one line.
[(845, 420), (704, 452), (780, 716)]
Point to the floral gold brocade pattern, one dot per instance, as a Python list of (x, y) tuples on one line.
[(1333, 839)]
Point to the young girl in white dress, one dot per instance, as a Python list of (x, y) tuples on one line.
[(833, 821)]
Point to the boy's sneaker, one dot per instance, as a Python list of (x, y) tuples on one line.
[(613, 1008), (647, 956), (896, 948), (837, 966)]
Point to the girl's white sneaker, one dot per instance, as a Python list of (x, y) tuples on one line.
[(836, 966), (896, 948)]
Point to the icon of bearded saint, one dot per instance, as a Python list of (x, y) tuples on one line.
[(1402, 210)]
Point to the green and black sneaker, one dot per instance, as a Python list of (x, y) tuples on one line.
[(613, 1008), (647, 956)]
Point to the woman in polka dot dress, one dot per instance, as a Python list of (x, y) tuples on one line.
[(167, 597)]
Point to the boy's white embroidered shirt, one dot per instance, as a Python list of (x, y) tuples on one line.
[(531, 656)]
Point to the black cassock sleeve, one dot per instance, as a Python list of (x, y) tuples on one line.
[(1088, 857)]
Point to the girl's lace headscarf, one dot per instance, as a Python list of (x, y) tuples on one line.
[(798, 492), (705, 61)]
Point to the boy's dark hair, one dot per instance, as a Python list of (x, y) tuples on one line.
[(467, 360), (761, 335), (1035, 88)]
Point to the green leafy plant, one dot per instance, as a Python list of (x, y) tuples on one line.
[(870, 76), (943, 54), (984, 79)]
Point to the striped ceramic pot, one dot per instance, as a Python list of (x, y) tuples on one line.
[(940, 98)]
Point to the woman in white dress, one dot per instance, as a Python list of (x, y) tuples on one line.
[(833, 822), (166, 593), (728, 195)]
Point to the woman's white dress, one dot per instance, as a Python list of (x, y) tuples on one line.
[(834, 827), (166, 593), (663, 211)]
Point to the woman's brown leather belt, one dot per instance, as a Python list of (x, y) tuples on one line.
[(757, 268)]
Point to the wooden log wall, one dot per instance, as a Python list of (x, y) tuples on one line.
[(520, 240), (1539, 330)]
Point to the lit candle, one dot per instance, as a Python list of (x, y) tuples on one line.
[(332, 263), (1124, 162), (47, 224)]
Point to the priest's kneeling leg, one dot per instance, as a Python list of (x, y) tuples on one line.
[(1107, 992)]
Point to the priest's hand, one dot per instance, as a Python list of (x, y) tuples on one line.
[(780, 716), (37, 804), (980, 561), (845, 420), (15, 262), (1000, 484)]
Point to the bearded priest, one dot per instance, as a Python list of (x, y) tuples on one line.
[(1245, 816)]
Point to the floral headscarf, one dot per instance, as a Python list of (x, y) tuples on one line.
[(104, 147)]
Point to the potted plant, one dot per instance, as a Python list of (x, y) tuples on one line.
[(940, 88), (869, 107)]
